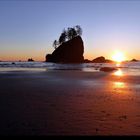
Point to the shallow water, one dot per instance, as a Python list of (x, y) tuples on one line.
[(127, 68)]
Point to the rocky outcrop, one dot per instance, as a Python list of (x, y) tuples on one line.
[(107, 69), (87, 61), (101, 59), (134, 60), (30, 60), (48, 57), (108, 61), (69, 52)]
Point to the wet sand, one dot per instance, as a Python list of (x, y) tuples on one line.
[(69, 103)]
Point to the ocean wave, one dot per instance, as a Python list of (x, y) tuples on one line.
[(55, 66)]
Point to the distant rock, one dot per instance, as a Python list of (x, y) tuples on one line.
[(134, 60), (101, 59), (107, 69), (30, 60), (69, 52), (108, 61), (87, 61)]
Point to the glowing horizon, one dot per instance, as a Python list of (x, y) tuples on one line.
[(118, 57), (21, 56), (28, 28)]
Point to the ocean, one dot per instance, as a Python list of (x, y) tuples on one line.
[(129, 68)]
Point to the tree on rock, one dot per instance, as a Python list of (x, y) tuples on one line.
[(71, 33), (67, 35), (55, 43), (78, 30), (63, 37)]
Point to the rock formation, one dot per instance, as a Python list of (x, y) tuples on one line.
[(101, 59), (134, 60), (87, 61), (107, 69), (30, 60), (68, 52)]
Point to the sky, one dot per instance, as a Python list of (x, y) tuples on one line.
[(28, 28)]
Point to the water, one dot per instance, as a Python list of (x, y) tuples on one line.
[(132, 68)]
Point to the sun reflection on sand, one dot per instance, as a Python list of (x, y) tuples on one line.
[(118, 64), (118, 73), (119, 84)]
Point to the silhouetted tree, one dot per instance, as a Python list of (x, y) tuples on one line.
[(68, 34), (55, 43), (71, 33), (78, 30), (65, 33), (74, 33), (63, 37)]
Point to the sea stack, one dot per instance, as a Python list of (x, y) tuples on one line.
[(134, 60), (30, 60), (68, 52), (101, 59)]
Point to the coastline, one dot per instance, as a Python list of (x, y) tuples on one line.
[(69, 103)]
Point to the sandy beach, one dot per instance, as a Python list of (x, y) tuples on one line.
[(69, 103)]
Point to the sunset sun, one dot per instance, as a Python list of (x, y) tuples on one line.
[(118, 57)]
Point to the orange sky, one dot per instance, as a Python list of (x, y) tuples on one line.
[(39, 55), (28, 28)]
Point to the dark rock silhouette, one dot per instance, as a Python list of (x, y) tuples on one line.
[(67, 35), (87, 61), (48, 57), (107, 69), (134, 60), (69, 52), (101, 59), (30, 60), (108, 61)]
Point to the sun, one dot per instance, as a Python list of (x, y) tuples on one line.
[(118, 57)]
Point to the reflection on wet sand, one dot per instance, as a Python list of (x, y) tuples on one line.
[(118, 64), (119, 85), (118, 72)]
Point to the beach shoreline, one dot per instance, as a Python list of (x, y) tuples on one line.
[(69, 103)]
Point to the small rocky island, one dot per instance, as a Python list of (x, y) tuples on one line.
[(134, 60), (69, 48), (100, 59), (30, 60)]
